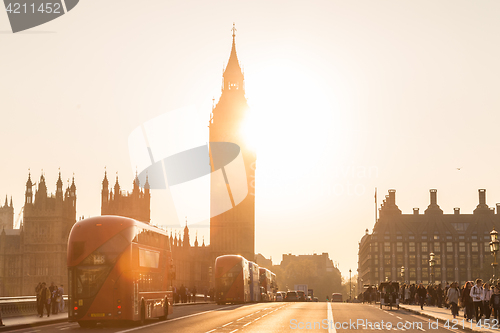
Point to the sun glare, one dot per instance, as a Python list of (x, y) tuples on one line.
[(290, 112)]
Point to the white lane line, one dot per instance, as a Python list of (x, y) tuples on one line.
[(399, 317), (64, 328), (211, 330), (331, 327), (241, 318), (247, 324), (233, 331), (227, 324), (179, 318)]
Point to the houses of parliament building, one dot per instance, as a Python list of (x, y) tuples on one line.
[(36, 251), (398, 249)]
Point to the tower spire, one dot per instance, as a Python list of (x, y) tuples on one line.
[(233, 76)]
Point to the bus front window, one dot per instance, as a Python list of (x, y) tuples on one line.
[(94, 269)]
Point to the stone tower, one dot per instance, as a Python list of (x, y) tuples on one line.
[(233, 232)]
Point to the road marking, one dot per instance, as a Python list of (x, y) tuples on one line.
[(247, 324), (227, 324), (331, 327), (241, 318), (233, 331), (179, 318), (399, 317), (211, 330)]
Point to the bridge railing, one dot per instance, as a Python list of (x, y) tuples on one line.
[(22, 306), (26, 305)]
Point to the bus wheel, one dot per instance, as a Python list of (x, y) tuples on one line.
[(143, 313), (165, 310), (87, 324)]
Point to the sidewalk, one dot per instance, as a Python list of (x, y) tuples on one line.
[(444, 315), (34, 320)]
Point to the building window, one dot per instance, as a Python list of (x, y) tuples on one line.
[(474, 237), (486, 247), (425, 260), (437, 257), (425, 249), (399, 259), (388, 275), (425, 272), (387, 259), (387, 247), (411, 260), (424, 237), (411, 247), (449, 260), (474, 247), (412, 273), (449, 247), (399, 237), (437, 273), (437, 247), (475, 260), (375, 260), (461, 237), (411, 237), (449, 274), (399, 247), (461, 260), (436, 237), (461, 247)]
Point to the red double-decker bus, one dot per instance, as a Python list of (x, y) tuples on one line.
[(232, 277), (119, 269), (268, 285)]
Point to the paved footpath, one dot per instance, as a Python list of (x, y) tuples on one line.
[(444, 315), (35, 320)]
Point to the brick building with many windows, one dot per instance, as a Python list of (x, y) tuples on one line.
[(460, 243)]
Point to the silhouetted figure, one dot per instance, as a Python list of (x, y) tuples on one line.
[(45, 298)]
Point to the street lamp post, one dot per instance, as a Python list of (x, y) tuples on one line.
[(432, 262), (402, 274), (350, 286), (494, 246)]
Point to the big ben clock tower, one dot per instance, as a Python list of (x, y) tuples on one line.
[(233, 231)]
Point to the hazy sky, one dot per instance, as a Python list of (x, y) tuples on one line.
[(349, 95)]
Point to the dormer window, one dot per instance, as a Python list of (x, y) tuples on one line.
[(233, 86)]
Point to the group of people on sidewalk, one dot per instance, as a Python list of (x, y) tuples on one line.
[(49, 298), (477, 299)]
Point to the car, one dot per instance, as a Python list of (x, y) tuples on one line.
[(309, 299), (280, 296), (302, 295), (291, 296), (316, 299)]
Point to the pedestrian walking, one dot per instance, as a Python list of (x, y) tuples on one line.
[(495, 303), (422, 293), (477, 294), (44, 300), (467, 301), (453, 296), (486, 300), (61, 303), (38, 289)]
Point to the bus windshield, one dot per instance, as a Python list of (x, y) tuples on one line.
[(225, 281), (92, 272)]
